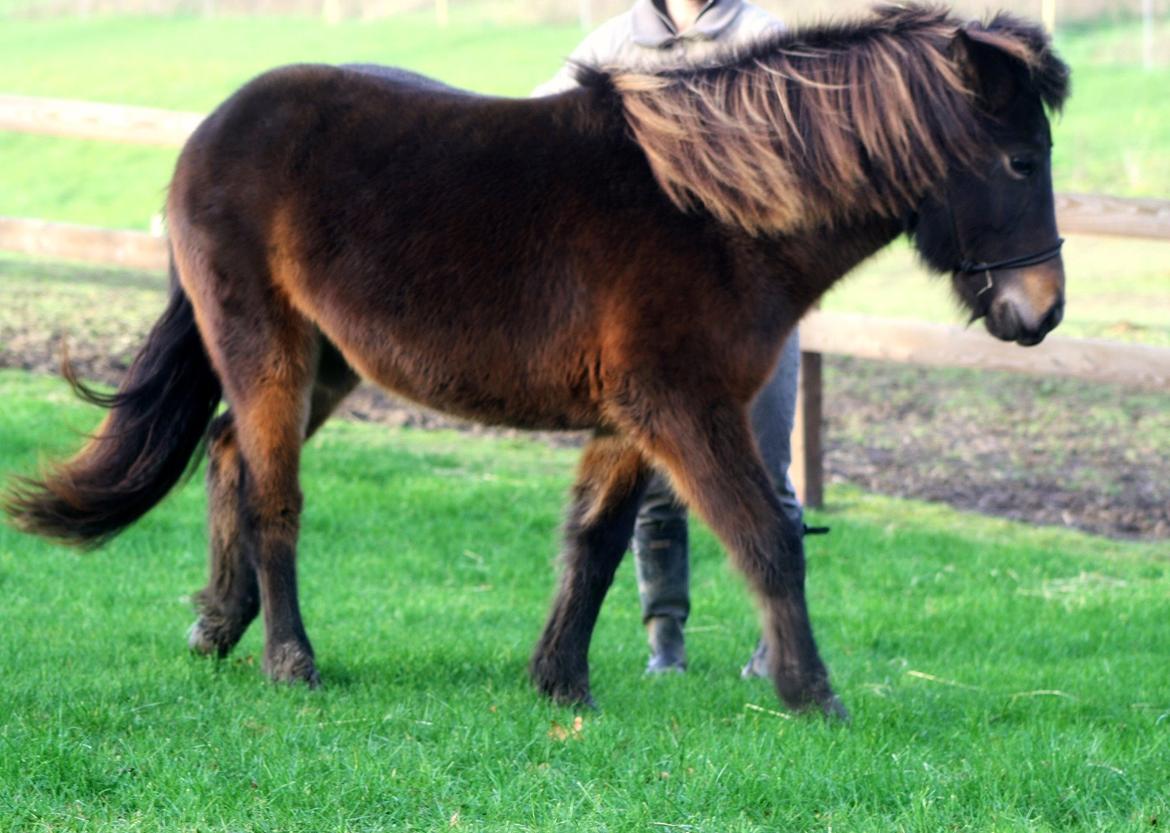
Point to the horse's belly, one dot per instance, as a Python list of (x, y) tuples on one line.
[(444, 336), (520, 392)]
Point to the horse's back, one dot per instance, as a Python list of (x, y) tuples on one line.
[(405, 77)]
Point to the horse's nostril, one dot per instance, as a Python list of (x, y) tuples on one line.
[(1053, 318), (1007, 323), (1028, 336)]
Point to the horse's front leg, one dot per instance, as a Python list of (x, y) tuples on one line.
[(610, 482), (708, 449)]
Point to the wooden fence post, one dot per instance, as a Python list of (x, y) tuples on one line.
[(808, 465)]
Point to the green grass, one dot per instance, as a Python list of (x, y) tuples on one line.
[(193, 64), (1001, 677), (1114, 137)]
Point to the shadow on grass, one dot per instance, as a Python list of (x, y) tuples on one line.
[(398, 675), (71, 274)]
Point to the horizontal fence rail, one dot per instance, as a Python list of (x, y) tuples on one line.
[(940, 345), (860, 336), (1113, 216), (65, 241), (92, 120)]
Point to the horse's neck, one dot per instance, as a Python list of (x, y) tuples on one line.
[(808, 264)]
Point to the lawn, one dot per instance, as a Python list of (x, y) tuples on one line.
[(193, 64), (1114, 137), (1001, 677)]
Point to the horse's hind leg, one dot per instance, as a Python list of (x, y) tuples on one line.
[(610, 482), (231, 599), (716, 468), (267, 356)]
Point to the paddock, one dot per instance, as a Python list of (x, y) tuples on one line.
[(1052, 716)]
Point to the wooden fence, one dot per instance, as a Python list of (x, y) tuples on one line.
[(820, 332)]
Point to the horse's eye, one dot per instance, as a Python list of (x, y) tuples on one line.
[(1022, 166)]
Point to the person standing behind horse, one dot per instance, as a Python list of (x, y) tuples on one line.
[(663, 34)]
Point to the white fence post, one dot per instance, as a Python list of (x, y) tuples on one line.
[(1048, 15), (1148, 34)]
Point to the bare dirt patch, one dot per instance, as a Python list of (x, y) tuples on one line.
[(1093, 457)]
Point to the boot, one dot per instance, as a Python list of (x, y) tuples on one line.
[(668, 652), (757, 666), (663, 571)]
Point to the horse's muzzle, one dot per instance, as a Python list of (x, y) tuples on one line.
[(1028, 302)]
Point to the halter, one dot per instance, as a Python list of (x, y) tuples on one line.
[(968, 266), (1011, 262)]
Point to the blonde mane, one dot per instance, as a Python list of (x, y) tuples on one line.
[(811, 127)]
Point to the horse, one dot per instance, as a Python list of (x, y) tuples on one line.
[(624, 258)]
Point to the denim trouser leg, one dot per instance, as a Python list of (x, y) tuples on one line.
[(660, 535), (772, 415)]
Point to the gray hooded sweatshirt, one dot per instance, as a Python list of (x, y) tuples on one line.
[(644, 38)]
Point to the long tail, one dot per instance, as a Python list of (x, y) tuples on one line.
[(156, 421)]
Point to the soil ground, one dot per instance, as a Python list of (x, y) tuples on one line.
[(1068, 453)]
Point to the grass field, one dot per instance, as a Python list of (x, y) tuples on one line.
[(193, 64), (1001, 677), (1114, 137)]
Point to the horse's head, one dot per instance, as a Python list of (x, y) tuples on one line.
[(992, 224)]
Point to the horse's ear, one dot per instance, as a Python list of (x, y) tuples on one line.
[(1008, 57)]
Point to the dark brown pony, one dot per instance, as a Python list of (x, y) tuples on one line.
[(626, 257)]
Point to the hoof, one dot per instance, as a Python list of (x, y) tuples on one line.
[(568, 694), (209, 640), (291, 662), (575, 700), (657, 664), (833, 709), (562, 689), (805, 695)]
